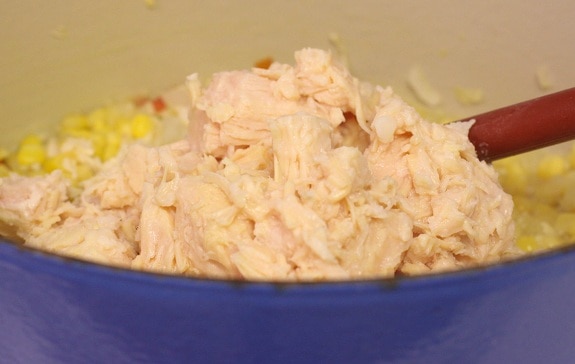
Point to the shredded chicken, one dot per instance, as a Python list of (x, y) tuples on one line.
[(287, 173)]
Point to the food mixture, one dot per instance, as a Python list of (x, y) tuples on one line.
[(286, 172)]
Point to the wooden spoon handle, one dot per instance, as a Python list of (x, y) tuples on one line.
[(526, 126)]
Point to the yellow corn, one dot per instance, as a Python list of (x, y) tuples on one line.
[(73, 123), (105, 129), (52, 164), (124, 127), (565, 224), (83, 172), (113, 143), (141, 126), (98, 143), (98, 119), (469, 96), (512, 175), (527, 243), (552, 166), (31, 151), (548, 242)]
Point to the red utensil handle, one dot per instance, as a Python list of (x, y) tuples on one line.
[(526, 126)]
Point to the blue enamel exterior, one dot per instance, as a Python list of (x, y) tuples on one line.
[(55, 310)]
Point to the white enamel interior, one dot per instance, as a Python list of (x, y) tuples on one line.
[(61, 56)]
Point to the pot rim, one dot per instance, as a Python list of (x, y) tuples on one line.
[(46, 262)]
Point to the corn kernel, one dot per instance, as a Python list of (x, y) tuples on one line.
[(548, 241), (31, 151), (53, 163), (545, 214), (98, 143), (523, 204), (527, 243), (74, 122), (513, 176), (83, 172), (469, 96), (113, 143), (150, 4), (565, 224), (552, 166), (124, 127), (141, 125), (98, 118), (100, 126), (32, 139)]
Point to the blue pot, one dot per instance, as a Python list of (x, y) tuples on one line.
[(57, 310)]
